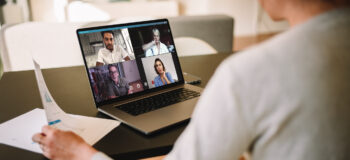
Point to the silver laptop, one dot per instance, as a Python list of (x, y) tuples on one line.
[(135, 74)]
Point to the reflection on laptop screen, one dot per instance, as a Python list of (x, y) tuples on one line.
[(123, 60)]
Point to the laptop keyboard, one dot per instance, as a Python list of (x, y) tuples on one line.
[(158, 101)]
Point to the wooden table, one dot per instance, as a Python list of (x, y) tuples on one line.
[(70, 88)]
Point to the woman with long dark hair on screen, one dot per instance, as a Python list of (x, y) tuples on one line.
[(163, 77)]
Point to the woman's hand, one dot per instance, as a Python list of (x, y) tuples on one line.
[(164, 78), (62, 145)]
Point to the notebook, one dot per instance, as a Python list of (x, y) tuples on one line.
[(135, 74)]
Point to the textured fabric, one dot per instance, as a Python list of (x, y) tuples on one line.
[(288, 98), (100, 156), (153, 51), (107, 57), (158, 81)]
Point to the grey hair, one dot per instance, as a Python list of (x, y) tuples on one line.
[(155, 30)]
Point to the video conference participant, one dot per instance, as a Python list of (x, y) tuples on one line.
[(155, 47), (163, 77), (117, 86), (111, 53)]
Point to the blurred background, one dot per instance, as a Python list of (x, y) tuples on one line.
[(250, 19)]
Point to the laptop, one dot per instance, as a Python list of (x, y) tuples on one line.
[(135, 74)]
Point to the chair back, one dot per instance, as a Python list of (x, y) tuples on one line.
[(52, 44), (215, 30), (189, 46)]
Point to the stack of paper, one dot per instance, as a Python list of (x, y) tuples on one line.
[(18, 131)]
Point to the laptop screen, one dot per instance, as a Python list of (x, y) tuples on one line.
[(129, 60)]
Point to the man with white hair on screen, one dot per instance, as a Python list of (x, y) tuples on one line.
[(155, 47)]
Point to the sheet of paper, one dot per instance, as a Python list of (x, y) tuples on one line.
[(56, 117), (90, 129), (18, 131)]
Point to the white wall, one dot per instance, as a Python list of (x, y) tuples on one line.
[(131, 71), (48, 10), (15, 13), (245, 12)]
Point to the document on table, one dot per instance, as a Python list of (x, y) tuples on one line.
[(18, 131)]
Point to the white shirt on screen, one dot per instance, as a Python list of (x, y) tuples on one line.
[(107, 57), (153, 51)]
